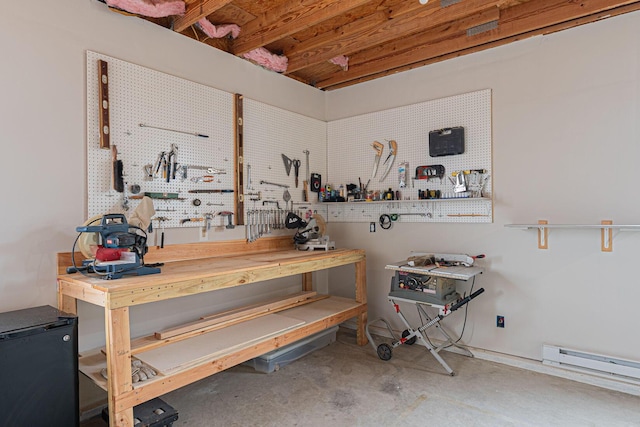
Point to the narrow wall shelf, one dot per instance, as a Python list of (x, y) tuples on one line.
[(452, 199), (455, 210), (606, 231), (613, 226)]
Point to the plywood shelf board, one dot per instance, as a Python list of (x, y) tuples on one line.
[(149, 342), (316, 312), (316, 317), (91, 363), (210, 323), (142, 344), (185, 353), (320, 310), (233, 338)]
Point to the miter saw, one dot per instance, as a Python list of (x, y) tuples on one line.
[(309, 235), (121, 250)]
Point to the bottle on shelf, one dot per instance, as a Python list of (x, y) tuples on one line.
[(389, 194)]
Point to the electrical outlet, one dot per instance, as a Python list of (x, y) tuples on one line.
[(500, 321), (372, 227)]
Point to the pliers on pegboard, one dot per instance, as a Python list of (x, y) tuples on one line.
[(162, 162), (172, 163), (168, 162)]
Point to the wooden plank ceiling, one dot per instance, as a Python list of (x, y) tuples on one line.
[(379, 37)]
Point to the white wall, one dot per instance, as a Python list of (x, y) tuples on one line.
[(566, 130), (43, 136), (565, 124)]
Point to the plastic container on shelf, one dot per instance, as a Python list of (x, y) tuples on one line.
[(276, 359)]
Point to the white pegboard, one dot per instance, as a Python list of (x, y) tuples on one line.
[(139, 95), (270, 132), (350, 158)]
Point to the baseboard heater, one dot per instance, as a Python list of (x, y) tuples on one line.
[(580, 360)]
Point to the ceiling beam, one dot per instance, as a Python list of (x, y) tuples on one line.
[(289, 18), (445, 31), (197, 10), (429, 16), (541, 31), (517, 22), (353, 29)]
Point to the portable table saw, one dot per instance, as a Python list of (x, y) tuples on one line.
[(432, 285)]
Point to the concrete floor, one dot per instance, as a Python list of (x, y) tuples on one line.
[(347, 385)]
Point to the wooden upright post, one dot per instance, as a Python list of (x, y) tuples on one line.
[(361, 297), (118, 339), (239, 160)]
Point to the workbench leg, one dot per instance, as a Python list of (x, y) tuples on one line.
[(67, 303), (307, 281), (118, 364), (361, 297)]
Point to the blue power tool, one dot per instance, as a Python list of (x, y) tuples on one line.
[(116, 233)]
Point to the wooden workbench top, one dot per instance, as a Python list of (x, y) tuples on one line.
[(181, 278)]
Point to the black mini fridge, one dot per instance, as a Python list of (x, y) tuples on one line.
[(39, 368)]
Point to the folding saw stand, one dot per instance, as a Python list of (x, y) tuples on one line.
[(429, 286)]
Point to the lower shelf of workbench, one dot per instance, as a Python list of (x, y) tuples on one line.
[(232, 345)]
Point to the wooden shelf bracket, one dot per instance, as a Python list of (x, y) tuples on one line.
[(606, 236), (543, 235)]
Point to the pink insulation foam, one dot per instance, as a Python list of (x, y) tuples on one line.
[(342, 61), (268, 60), (151, 8), (218, 31)]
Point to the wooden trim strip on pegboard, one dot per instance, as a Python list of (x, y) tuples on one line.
[(103, 99), (239, 159)]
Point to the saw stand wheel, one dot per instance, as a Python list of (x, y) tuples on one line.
[(384, 351), (410, 341)]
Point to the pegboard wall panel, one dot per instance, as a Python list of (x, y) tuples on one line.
[(351, 158), (270, 132), (141, 96)]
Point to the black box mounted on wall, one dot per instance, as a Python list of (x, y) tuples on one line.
[(316, 182), (446, 142)]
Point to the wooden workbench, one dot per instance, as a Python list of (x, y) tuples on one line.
[(194, 269)]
